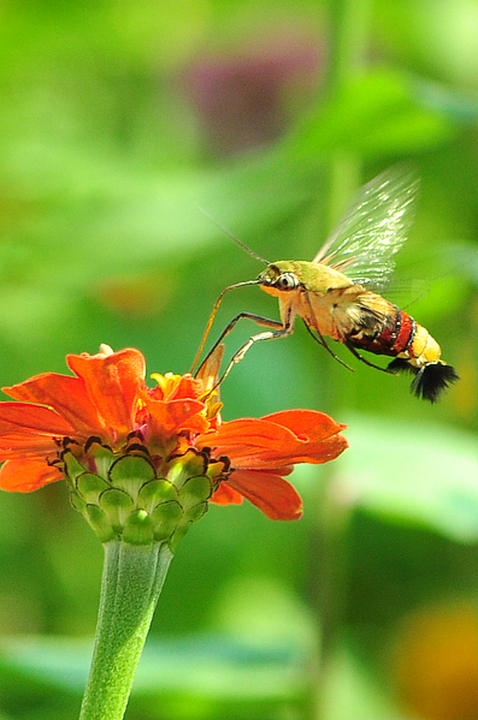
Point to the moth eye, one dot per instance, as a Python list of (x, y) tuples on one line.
[(287, 281)]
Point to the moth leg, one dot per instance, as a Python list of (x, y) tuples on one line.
[(259, 319), (319, 338), (282, 331), (367, 362)]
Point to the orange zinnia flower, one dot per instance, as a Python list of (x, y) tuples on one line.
[(147, 451)]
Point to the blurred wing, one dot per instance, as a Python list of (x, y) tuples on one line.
[(364, 244)]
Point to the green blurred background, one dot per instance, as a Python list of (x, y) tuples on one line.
[(117, 120)]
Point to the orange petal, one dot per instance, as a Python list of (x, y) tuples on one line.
[(170, 416), (27, 419), (114, 385), (312, 423), (225, 495), (18, 446), (252, 438), (187, 387), (277, 499), (67, 395), (263, 444), (27, 475), (320, 433), (319, 438)]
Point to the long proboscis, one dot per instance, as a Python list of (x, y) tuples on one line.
[(213, 315)]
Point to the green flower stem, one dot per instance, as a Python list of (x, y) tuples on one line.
[(350, 35), (349, 32), (350, 41), (133, 576)]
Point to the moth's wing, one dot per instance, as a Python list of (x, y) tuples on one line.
[(364, 244), (374, 312)]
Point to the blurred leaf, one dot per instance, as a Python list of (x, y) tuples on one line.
[(374, 114), (413, 474), (464, 259), (208, 666), (459, 106), (436, 34), (62, 260), (351, 692)]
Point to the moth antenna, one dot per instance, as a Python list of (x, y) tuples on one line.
[(233, 237)]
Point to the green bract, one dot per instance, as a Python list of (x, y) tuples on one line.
[(131, 496)]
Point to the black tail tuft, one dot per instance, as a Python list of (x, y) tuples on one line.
[(430, 381)]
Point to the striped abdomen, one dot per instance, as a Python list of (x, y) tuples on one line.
[(412, 346), (401, 337)]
